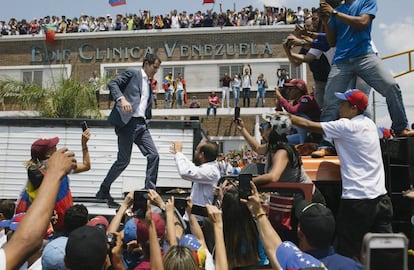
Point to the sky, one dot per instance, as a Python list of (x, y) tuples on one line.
[(392, 31)]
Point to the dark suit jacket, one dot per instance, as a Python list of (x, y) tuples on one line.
[(129, 85)]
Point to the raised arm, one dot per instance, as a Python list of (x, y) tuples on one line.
[(254, 144), (86, 163), (215, 216), (28, 236), (270, 239)]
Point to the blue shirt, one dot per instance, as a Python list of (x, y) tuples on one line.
[(291, 257), (351, 42), (333, 260)]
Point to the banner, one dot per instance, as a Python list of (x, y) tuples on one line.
[(208, 2), (115, 3)]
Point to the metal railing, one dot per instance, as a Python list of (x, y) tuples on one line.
[(410, 62)]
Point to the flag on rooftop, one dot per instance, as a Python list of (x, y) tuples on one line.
[(208, 2), (115, 3)]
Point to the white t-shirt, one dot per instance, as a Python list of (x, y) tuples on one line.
[(359, 152), (246, 81)]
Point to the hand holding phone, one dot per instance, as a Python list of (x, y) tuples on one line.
[(84, 126), (236, 114), (180, 203), (140, 203)]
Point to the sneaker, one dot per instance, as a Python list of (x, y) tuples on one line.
[(404, 133), (306, 149), (321, 152)]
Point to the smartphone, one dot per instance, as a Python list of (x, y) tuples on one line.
[(84, 126), (236, 113), (385, 251), (244, 185), (199, 210), (140, 203), (180, 203)]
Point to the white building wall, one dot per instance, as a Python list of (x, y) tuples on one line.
[(15, 151)]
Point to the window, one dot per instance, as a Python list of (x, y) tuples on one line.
[(33, 76), (113, 72), (174, 70), (231, 70)]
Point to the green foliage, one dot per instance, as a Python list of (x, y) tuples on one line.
[(66, 99)]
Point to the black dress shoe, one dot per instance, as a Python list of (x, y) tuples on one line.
[(112, 204), (105, 196)]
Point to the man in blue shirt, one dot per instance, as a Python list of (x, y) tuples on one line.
[(316, 231), (348, 27)]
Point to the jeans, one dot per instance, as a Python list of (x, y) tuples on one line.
[(246, 97), (168, 99), (319, 92), (179, 99), (225, 95), (236, 95), (136, 131), (301, 135), (370, 68), (261, 94), (211, 107)]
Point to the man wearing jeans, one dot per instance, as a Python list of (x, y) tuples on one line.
[(133, 95), (348, 27)]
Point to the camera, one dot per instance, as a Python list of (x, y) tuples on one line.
[(111, 240)]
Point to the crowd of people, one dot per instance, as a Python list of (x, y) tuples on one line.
[(247, 16), (224, 224)]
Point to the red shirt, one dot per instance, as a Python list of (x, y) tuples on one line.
[(306, 104)]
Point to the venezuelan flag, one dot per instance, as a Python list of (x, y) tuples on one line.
[(62, 203), (115, 3)]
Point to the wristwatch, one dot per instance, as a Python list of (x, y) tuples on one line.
[(334, 13)]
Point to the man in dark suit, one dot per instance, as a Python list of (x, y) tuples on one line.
[(133, 102)]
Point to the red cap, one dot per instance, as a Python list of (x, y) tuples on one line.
[(142, 229), (355, 97), (41, 146), (298, 83), (98, 220)]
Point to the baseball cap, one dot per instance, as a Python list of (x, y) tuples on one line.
[(130, 230), (316, 222), (41, 146), (53, 256), (86, 247), (355, 97), (14, 222), (142, 229), (298, 83), (98, 220)]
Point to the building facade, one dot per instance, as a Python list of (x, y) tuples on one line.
[(202, 55)]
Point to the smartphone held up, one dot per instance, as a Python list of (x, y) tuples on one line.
[(236, 114), (140, 203), (244, 185), (84, 125)]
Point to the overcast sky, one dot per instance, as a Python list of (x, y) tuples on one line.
[(392, 33)]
